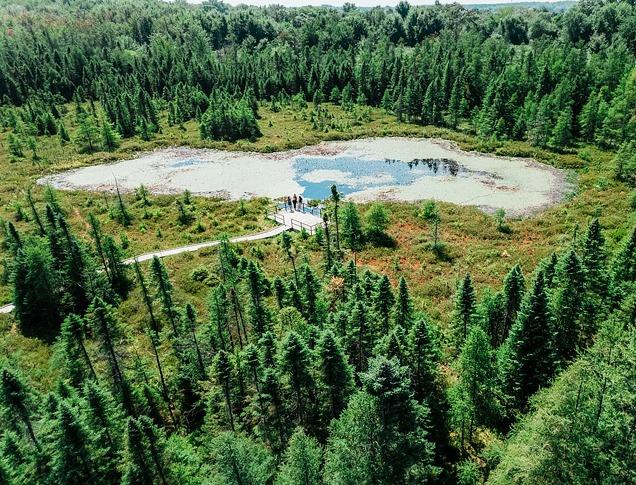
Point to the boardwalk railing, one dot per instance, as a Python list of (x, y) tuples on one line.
[(299, 226), (277, 216), (316, 211)]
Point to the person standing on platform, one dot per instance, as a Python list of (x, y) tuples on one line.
[(300, 203), (294, 201)]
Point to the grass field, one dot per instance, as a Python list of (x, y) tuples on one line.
[(471, 240)]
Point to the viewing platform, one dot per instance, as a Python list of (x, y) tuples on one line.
[(307, 218)]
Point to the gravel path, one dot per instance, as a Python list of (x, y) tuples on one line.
[(190, 248)]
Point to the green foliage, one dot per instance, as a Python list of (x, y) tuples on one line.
[(228, 119)]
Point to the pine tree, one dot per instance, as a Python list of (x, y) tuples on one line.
[(403, 309), (405, 447), (464, 310), (513, 290), (15, 402), (238, 460), (295, 365), (352, 233), (474, 396), (303, 461), (72, 462), (527, 356), (87, 135), (110, 138), (76, 359), (383, 304), (335, 374), (108, 333), (164, 291), (566, 304)]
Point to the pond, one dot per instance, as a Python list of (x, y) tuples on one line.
[(406, 169)]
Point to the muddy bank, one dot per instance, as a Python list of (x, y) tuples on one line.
[(406, 169)]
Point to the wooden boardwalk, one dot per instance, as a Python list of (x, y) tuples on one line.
[(308, 219)]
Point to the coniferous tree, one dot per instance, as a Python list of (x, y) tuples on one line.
[(303, 461), (566, 304), (108, 333), (474, 396), (335, 198), (406, 449), (15, 402), (513, 290), (352, 233), (72, 461), (76, 359), (335, 374), (223, 375), (383, 304), (527, 359), (464, 310), (36, 290), (403, 309), (164, 291), (295, 365), (238, 460), (110, 138), (87, 135)]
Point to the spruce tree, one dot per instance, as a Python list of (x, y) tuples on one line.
[(335, 198), (110, 138), (405, 446), (76, 359), (527, 357), (403, 309), (474, 396), (36, 290), (108, 334), (295, 365), (383, 304), (302, 463), (72, 461), (15, 402), (238, 460), (223, 376), (352, 232), (335, 373), (164, 292), (513, 290), (566, 304), (464, 310)]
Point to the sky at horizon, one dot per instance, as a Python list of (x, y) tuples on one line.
[(365, 3)]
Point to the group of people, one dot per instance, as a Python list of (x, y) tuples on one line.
[(295, 203)]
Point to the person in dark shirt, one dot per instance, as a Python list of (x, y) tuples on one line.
[(294, 201), (289, 202), (300, 203)]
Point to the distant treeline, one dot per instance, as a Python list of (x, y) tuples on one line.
[(520, 74)]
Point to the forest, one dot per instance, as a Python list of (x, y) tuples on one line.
[(400, 343)]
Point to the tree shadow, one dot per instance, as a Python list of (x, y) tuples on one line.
[(381, 240)]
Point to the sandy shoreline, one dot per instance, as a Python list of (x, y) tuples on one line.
[(520, 186)]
